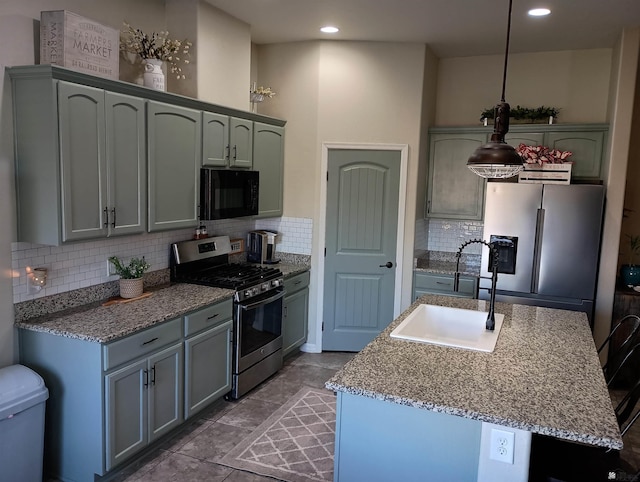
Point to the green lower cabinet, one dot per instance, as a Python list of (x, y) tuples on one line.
[(442, 284), (143, 401), (207, 363), (295, 312)]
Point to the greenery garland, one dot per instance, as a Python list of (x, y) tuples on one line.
[(525, 113)]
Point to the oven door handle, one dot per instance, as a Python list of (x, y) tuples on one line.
[(262, 302)]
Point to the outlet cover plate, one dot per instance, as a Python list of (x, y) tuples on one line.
[(501, 447)]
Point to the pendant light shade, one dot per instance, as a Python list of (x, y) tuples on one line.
[(497, 159)]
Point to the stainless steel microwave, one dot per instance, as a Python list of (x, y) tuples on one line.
[(226, 193)]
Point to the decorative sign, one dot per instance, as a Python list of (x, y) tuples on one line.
[(72, 41)]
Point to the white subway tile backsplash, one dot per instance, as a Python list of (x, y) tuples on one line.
[(80, 265), (448, 235)]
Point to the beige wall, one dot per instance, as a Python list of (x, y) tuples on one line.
[(576, 81), (349, 92), (223, 58), (620, 114)]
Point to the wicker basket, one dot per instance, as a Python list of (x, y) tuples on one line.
[(131, 288)]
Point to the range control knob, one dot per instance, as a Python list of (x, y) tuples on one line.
[(264, 286), (276, 282)]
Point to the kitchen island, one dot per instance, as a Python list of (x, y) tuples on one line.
[(416, 411)]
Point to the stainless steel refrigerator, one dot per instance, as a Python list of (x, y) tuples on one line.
[(554, 233)]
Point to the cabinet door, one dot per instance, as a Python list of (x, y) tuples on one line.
[(127, 163), (174, 149), (268, 160), (84, 169), (126, 412), (215, 139), (529, 138), (442, 283), (586, 148), (207, 367), (454, 192), (240, 143), (165, 391), (295, 319)]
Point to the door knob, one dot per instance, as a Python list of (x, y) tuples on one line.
[(388, 264)]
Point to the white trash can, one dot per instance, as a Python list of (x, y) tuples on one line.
[(22, 400)]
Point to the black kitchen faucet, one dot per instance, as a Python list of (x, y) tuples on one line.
[(491, 317)]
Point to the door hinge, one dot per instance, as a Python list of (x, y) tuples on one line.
[(323, 326), (327, 176), (325, 252)]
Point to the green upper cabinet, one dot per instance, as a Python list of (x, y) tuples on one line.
[(215, 139), (240, 143), (268, 160), (127, 163), (174, 138), (585, 141), (80, 162), (587, 148), (227, 141), (83, 156), (96, 157), (454, 192)]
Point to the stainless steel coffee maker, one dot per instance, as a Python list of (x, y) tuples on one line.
[(262, 247)]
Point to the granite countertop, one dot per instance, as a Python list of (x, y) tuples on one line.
[(289, 269), (544, 375), (103, 324), (446, 267)]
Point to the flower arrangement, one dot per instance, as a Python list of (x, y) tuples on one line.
[(258, 94), (156, 46), (135, 269), (542, 154)]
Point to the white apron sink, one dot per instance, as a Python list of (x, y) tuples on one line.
[(455, 327)]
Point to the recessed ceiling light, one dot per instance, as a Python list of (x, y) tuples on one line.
[(539, 12), (329, 29)]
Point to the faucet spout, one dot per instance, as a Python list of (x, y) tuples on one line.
[(491, 316)]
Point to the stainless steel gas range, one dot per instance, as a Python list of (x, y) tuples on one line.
[(257, 305)]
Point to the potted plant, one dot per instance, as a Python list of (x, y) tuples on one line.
[(630, 272), (131, 282), (526, 114)]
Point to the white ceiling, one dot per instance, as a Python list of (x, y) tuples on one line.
[(452, 28)]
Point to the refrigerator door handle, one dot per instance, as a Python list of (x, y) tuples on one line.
[(537, 255)]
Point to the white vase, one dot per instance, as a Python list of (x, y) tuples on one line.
[(153, 75), (131, 288)]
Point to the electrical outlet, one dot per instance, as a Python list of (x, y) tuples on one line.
[(111, 269), (501, 447)]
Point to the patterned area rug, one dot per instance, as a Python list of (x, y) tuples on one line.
[(294, 444)]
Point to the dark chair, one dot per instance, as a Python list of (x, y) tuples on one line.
[(557, 460), (629, 324)]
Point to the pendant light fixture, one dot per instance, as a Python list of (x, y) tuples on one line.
[(497, 159)]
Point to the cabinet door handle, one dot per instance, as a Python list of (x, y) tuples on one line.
[(113, 223), (442, 283), (235, 152), (286, 311), (146, 378), (105, 216), (150, 341), (297, 282), (209, 318), (153, 375)]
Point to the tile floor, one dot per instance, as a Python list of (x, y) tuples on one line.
[(191, 455)]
